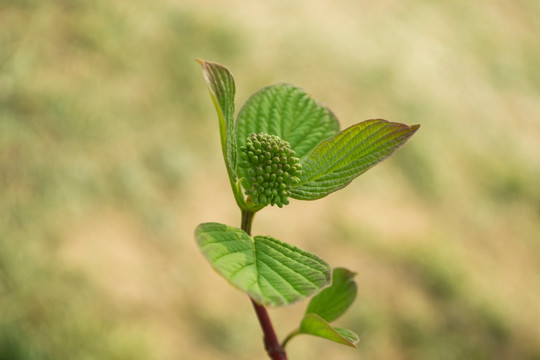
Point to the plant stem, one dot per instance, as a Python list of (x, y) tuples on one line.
[(247, 220), (271, 343)]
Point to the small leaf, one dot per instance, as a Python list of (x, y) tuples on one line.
[(333, 301), (343, 157), (271, 272), (313, 324), (327, 306), (286, 111), (221, 85), (220, 82)]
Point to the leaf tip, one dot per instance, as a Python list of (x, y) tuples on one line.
[(348, 274)]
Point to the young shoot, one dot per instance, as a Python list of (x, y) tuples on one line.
[(285, 145)]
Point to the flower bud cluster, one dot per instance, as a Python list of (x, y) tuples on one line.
[(269, 169)]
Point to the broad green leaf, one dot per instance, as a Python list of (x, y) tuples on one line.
[(333, 301), (313, 324), (271, 272), (288, 112), (343, 157)]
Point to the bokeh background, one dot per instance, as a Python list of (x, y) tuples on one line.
[(110, 157)]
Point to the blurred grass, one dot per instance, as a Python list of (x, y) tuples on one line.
[(109, 157)]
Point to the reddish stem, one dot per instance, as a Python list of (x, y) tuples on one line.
[(271, 343)]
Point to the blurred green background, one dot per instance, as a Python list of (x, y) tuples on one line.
[(110, 156)]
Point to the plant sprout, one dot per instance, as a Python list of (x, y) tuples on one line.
[(285, 145)]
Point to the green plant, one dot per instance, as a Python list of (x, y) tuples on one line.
[(285, 145)]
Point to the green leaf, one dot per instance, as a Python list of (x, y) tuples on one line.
[(271, 272), (327, 306), (343, 157), (333, 301), (220, 82), (221, 85), (313, 324), (288, 112)]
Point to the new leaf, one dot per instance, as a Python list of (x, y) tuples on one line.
[(268, 270), (222, 89), (327, 306), (344, 156), (286, 111), (313, 324), (333, 301)]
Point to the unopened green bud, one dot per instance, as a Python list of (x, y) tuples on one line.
[(269, 169)]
